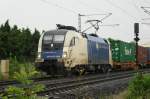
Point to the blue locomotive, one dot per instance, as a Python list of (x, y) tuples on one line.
[(66, 50)]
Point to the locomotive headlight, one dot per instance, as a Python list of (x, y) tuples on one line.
[(65, 54), (39, 55)]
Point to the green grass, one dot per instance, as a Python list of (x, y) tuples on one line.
[(139, 87)]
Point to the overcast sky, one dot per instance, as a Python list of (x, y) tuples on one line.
[(45, 14)]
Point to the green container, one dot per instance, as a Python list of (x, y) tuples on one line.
[(122, 51)]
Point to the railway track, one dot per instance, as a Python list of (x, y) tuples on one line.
[(11, 82), (4, 84), (64, 85)]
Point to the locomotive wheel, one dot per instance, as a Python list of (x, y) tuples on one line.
[(67, 73), (105, 69), (82, 71)]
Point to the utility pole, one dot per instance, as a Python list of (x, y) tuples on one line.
[(79, 21), (136, 31)]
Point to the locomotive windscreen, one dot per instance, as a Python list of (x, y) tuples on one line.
[(53, 40)]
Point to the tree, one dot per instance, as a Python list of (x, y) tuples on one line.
[(139, 87), (35, 40), (6, 27), (19, 43)]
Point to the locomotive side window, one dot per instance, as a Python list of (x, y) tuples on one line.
[(76, 40), (72, 43)]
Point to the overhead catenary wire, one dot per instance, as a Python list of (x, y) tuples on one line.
[(90, 6), (121, 9), (146, 10), (93, 14), (146, 19), (136, 7), (110, 25), (146, 7), (86, 5), (97, 21), (88, 15), (58, 6), (96, 24), (145, 1), (132, 2), (146, 23)]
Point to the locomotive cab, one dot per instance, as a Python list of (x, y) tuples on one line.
[(50, 51)]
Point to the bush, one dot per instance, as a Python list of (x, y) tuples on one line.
[(27, 90), (16, 65), (139, 87)]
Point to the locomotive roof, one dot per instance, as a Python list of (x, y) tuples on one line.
[(56, 31), (63, 31), (96, 39)]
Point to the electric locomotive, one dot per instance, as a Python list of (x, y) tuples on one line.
[(66, 50)]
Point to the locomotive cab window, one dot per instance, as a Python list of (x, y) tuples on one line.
[(58, 38), (48, 39)]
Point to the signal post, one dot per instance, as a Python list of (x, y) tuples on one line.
[(136, 31)]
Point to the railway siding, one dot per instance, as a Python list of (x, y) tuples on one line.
[(73, 89)]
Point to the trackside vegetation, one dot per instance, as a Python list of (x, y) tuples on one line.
[(16, 65), (27, 90), (18, 45), (18, 42), (139, 87)]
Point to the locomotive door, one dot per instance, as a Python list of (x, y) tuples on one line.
[(72, 50)]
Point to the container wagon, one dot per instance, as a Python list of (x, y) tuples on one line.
[(123, 54), (142, 56)]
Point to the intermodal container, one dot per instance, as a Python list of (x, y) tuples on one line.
[(142, 55), (122, 51)]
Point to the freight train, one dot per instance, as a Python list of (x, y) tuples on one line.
[(65, 50)]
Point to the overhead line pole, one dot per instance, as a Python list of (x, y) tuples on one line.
[(79, 22)]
